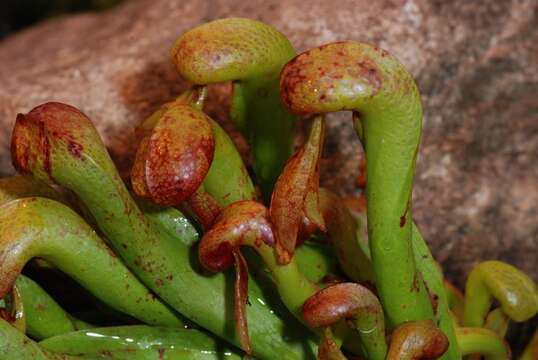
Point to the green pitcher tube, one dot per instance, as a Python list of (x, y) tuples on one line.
[(375, 85)]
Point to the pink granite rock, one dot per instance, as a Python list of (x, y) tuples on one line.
[(476, 194)]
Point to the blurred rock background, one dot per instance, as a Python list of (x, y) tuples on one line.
[(476, 64)]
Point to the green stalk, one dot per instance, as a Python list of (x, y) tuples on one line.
[(293, 286), (343, 233), (433, 278), (168, 354), (44, 317), (498, 322), (171, 220), (381, 92), (516, 292), (14, 345), (39, 227), (75, 157), (482, 341), (133, 343), (455, 300), (246, 223), (355, 304), (375, 85), (143, 339), (316, 261), (251, 54), (430, 274), (227, 180)]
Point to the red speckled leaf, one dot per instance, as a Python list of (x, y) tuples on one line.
[(47, 131), (194, 97), (138, 171), (328, 349), (241, 223), (174, 158), (241, 299), (417, 340), (205, 208), (296, 194), (340, 301)]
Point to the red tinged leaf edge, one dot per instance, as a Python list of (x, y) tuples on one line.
[(296, 194)]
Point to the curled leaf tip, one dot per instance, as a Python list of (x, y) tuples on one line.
[(355, 304), (516, 292), (340, 301), (295, 199), (417, 340), (340, 73), (49, 131), (328, 348), (194, 97), (241, 223), (205, 207), (229, 49), (172, 161)]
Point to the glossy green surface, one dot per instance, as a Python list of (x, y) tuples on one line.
[(44, 317), (165, 354), (316, 261), (482, 341), (293, 286), (170, 220), (369, 324), (433, 278), (190, 343), (228, 180), (14, 345)]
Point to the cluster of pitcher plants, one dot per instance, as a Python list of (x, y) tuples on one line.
[(198, 256)]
